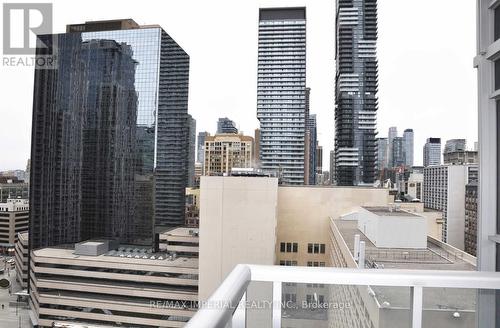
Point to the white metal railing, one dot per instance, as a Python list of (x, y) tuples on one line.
[(222, 310)]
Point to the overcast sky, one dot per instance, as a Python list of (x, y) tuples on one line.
[(425, 52)]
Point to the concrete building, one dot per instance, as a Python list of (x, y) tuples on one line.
[(487, 63), (14, 217), (99, 283), (408, 137), (444, 190), (471, 209), (333, 182), (226, 151), (256, 150), (281, 92), (292, 226), (193, 207), (243, 230), (183, 241), (12, 187), (198, 172), (432, 152), (408, 247), (226, 126), (200, 150), (21, 258), (311, 145), (356, 90), (461, 157)]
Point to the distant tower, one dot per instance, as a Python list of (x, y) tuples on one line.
[(191, 128), (225, 125), (432, 152), (393, 133), (281, 92), (408, 147), (356, 92)]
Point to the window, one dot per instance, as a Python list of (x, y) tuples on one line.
[(497, 74), (497, 23), (316, 248), (288, 263), (315, 264), (289, 247)]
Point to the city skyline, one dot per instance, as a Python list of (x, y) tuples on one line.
[(396, 79)]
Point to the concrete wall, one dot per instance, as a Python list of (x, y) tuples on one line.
[(304, 215), (238, 218), (457, 179)]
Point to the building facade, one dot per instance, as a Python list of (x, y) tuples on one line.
[(12, 187), (200, 150), (408, 137), (454, 145), (225, 125), (226, 151), (14, 215), (393, 133), (432, 152), (487, 63), (398, 155), (382, 152), (117, 159), (281, 92), (356, 92), (461, 157), (100, 283), (444, 190), (191, 128), (21, 259), (471, 200)]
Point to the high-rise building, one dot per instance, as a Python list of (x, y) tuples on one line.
[(281, 92), (225, 125), (398, 157), (201, 147), (393, 133), (311, 148), (382, 160), (356, 92), (115, 164), (455, 145), (408, 146), (461, 157), (432, 152), (191, 127), (226, 151), (444, 190), (332, 168), (319, 159), (487, 63)]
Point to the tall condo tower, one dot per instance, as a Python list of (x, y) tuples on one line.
[(408, 147), (356, 92), (281, 92), (109, 147)]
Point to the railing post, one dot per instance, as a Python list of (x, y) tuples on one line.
[(239, 316), (416, 306), (277, 290)]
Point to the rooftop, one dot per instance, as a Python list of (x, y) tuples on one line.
[(389, 211)]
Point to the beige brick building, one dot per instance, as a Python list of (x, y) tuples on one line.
[(225, 151)]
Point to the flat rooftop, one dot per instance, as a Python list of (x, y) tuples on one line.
[(387, 211), (432, 258), (61, 253)]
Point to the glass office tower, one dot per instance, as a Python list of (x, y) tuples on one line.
[(110, 138), (356, 92), (281, 88)]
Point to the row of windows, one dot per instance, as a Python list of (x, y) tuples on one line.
[(289, 247), (316, 248)]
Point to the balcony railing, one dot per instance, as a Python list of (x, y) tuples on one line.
[(225, 307)]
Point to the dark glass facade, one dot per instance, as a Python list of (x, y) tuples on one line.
[(225, 125), (356, 92), (110, 136)]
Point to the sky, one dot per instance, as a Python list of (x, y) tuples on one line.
[(426, 77)]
